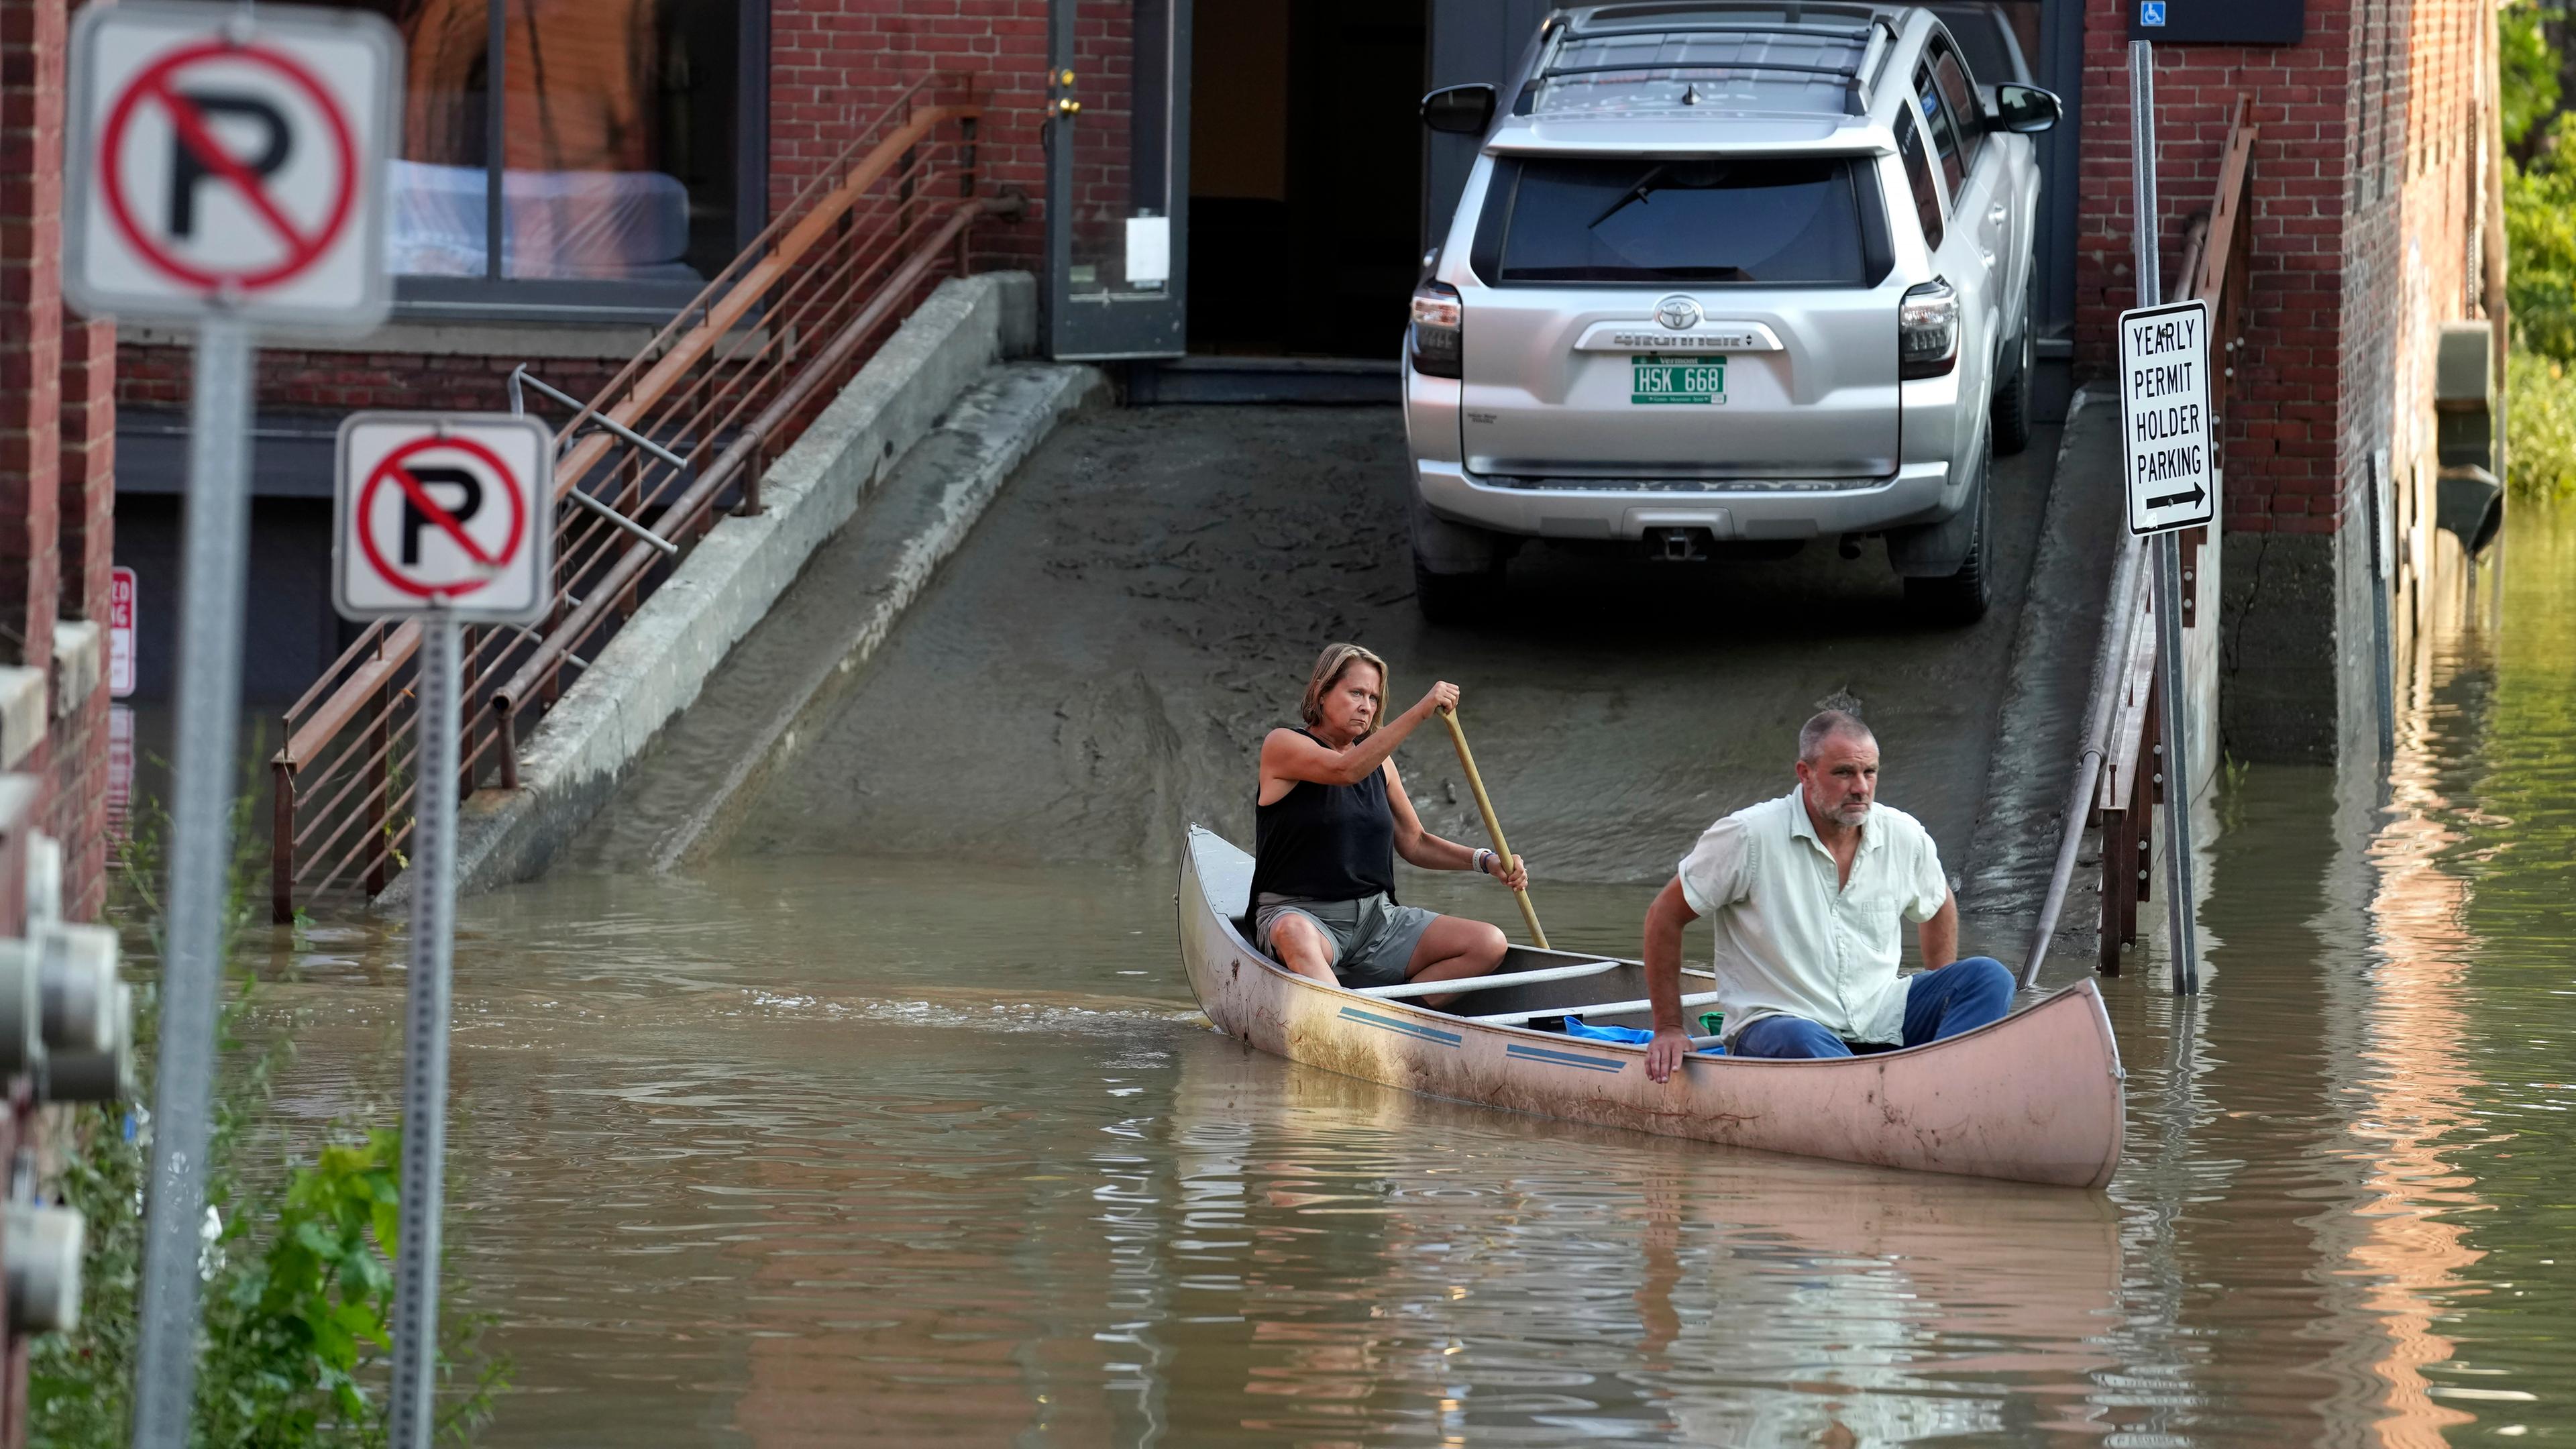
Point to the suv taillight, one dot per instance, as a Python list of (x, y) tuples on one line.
[(1434, 338), (1927, 330)]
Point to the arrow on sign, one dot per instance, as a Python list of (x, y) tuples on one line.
[(2193, 498)]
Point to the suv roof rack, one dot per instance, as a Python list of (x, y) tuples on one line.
[(1874, 28), (1793, 12)]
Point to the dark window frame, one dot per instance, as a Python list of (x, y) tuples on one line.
[(1940, 127), (1928, 200), (1959, 96), (550, 299)]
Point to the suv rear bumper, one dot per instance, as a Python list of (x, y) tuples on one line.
[(1785, 510)]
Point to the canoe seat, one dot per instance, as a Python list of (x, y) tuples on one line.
[(1488, 983), (1600, 1008)]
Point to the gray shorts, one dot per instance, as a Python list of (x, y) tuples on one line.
[(1373, 938)]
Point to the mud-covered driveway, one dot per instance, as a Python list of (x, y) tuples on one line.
[(1096, 666)]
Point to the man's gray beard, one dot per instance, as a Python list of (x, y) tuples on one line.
[(1852, 815)]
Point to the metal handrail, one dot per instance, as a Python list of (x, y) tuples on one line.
[(2214, 259), (644, 468)]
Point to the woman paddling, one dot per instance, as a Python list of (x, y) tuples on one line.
[(1329, 820)]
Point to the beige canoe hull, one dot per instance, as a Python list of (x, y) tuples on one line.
[(2036, 1097)]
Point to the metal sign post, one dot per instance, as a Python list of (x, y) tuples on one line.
[(224, 168), (2164, 415), (424, 1142), (442, 518)]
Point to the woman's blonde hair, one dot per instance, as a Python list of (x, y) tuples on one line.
[(1330, 666)]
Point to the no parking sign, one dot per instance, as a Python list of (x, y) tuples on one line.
[(444, 513), (230, 159)]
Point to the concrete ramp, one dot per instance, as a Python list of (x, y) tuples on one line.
[(1098, 663)]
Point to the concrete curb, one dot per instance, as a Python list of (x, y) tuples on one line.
[(660, 661)]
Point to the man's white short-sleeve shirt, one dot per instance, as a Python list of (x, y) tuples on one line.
[(1792, 938)]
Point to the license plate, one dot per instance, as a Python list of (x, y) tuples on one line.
[(1655, 379)]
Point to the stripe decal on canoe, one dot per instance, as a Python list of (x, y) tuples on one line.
[(1401, 1028), (1564, 1059)]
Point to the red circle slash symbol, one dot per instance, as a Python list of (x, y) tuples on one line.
[(391, 470), (302, 245)]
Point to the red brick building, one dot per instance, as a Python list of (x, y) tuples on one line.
[(57, 471), (2377, 228)]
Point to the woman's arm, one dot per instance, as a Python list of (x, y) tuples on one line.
[(1288, 755), (1424, 850)]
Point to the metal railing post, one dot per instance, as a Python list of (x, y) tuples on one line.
[(507, 724), (379, 788), (281, 847)]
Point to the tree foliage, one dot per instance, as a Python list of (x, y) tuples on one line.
[(2540, 236)]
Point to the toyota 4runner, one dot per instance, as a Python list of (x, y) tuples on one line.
[(1726, 277)]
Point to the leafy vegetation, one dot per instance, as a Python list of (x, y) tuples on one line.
[(298, 1282), (2540, 233)]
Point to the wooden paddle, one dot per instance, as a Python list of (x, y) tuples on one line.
[(1493, 827)]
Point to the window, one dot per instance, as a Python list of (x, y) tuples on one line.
[(1944, 126), (1918, 175), (623, 145), (1765, 221), (1959, 98)]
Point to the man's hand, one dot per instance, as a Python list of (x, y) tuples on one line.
[(1665, 1052)]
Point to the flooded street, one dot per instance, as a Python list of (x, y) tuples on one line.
[(821, 1150)]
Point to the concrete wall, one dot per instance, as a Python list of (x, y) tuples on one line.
[(657, 664)]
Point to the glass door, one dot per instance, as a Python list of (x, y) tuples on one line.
[(1117, 131)]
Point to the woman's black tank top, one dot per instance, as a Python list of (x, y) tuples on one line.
[(1325, 842)]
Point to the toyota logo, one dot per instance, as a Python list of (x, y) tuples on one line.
[(1680, 314)]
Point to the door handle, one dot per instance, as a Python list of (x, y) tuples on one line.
[(1996, 213), (1989, 257)]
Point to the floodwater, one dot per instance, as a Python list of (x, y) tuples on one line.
[(828, 1150)]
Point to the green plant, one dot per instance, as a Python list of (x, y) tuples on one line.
[(2540, 426), (2540, 230), (298, 1289), (2528, 68)]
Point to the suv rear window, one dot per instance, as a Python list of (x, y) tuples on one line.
[(1761, 220)]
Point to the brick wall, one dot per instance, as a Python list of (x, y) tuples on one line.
[(32, 34), (57, 419), (2281, 438), (322, 381), (2366, 204), (836, 64)]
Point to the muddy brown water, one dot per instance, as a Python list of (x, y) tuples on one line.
[(834, 1149)]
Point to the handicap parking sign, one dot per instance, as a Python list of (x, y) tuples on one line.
[(2151, 12)]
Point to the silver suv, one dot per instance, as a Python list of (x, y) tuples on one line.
[(1726, 277)]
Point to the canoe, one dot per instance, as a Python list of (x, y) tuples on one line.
[(2035, 1097)]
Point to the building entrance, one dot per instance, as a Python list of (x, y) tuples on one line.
[(1305, 196)]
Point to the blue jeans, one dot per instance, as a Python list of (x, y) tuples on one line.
[(1968, 993)]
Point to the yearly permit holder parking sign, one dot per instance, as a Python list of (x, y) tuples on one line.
[(444, 512), (230, 160), (2172, 477)]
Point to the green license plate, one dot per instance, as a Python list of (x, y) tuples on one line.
[(1654, 379)]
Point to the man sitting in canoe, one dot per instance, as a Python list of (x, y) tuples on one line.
[(1804, 892), (1329, 819)]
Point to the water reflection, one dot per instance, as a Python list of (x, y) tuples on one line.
[(1403, 1267), (827, 1151)]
